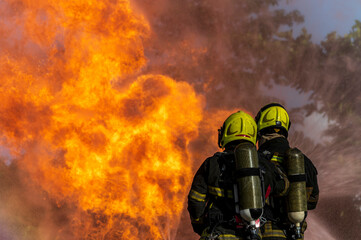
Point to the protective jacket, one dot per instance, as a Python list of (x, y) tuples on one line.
[(277, 226), (210, 201)]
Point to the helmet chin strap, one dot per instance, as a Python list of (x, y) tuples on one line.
[(220, 133)]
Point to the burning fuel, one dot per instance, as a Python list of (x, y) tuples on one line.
[(86, 132)]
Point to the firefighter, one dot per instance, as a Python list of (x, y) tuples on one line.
[(273, 124), (214, 195)]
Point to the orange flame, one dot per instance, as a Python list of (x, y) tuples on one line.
[(83, 127)]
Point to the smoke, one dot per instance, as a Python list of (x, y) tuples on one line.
[(231, 52)]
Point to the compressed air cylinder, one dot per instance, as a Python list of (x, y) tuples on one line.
[(297, 197), (248, 182)]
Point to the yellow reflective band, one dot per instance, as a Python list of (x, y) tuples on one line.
[(198, 199), (276, 158), (228, 236), (270, 235), (268, 226), (269, 232), (216, 191), (223, 237), (220, 192), (197, 196)]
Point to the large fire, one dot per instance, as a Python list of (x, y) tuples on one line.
[(84, 124)]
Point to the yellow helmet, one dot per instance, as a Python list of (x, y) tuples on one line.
[(273, 115), (238, 126)]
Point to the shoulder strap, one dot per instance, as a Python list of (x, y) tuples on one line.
[(222, 161)]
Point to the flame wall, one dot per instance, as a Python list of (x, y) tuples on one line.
[(88, 134)]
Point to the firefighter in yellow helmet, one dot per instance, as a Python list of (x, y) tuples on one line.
[(227, 195), (273, 124)]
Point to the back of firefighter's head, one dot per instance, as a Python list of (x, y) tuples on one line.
[(273, 118), (239, 126)]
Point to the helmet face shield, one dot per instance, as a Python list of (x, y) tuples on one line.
[(238, 126)]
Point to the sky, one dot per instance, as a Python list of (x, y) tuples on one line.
[(321, 17), (325, 16)]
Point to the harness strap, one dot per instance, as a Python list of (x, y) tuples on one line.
[(246, 172), (297, 178)]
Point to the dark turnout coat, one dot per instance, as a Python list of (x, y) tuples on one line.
[(274, 150), (211, 202)]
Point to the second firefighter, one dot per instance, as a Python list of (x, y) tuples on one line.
[(228, 191)]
